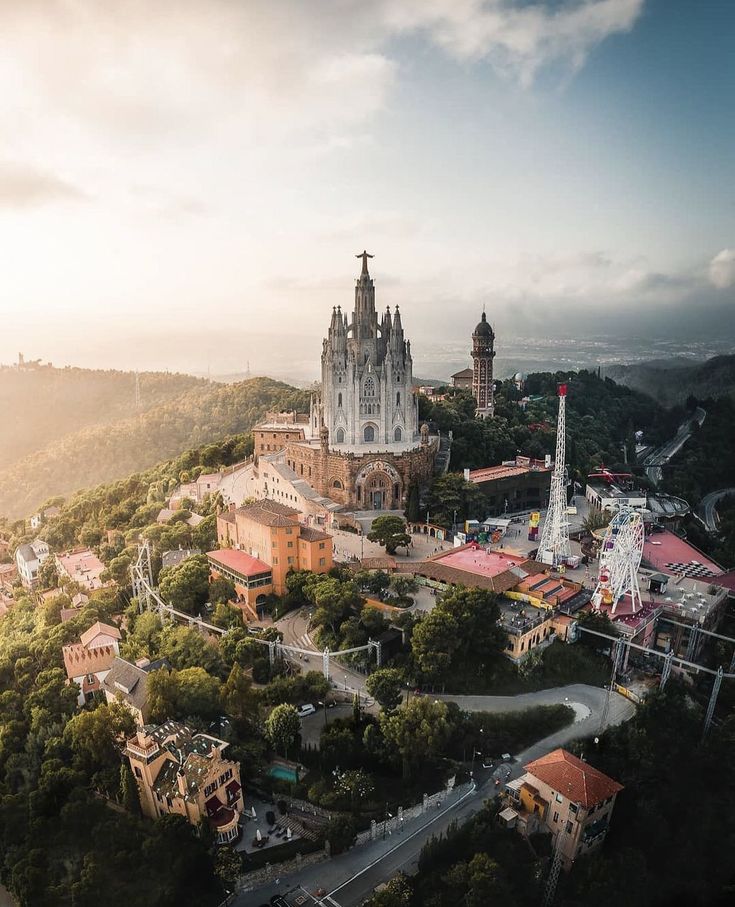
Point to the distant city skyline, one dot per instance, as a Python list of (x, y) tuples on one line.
[(179, 187)]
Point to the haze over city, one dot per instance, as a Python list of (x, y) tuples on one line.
[(184, 185)]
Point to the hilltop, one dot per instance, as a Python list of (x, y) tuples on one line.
[(41, 404), (106, 452), (672, 381)]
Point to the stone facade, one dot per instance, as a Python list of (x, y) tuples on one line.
[(367, 376), (360, 445), (369, 481)]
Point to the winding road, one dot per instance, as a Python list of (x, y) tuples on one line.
[(707, 507), (350, 877), (661, 456)]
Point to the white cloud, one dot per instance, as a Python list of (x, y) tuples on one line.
[(25, 185), (518, 39), (722, 269)]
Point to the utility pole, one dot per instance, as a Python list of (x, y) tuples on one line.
[(553, 880), (712, 702)]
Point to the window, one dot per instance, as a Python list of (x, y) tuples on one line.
[(572, 807), (289, 530), (322, 546), (138, 772), (291, 560), (290, 544), (339, 399), (398, 398), (322, 561), (275, 561), (556, 817), (369, 433), (340, 437), (368, 387), (559, 798), (569, 828), (397, 434)]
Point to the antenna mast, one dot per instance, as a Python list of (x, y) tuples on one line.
[(554, 547)]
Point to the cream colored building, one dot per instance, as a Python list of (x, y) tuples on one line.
[(561, 794), (183, 773)]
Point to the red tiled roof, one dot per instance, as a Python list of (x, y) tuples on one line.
[(270, 513), (239, 561), (99, 629), (573, 779)]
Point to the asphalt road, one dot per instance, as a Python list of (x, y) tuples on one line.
[(654, 461), (707, 509), (349, 878)]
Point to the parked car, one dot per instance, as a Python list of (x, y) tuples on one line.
[(306, 709)]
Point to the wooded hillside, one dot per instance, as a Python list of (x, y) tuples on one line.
[(108, 452)]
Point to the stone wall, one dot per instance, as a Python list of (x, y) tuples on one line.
[(334, 474)]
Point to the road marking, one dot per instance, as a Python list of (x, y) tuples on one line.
[(413, 834)]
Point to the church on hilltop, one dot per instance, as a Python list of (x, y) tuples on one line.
[(360, 446)]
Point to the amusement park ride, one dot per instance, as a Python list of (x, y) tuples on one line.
[(554, 547), (620, 558)]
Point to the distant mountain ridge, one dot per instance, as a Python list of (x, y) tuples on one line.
[(670, 382), (104, 453)]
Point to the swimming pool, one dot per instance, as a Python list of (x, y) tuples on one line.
[(283, 773)]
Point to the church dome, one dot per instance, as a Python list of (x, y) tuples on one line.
[(483, 329)]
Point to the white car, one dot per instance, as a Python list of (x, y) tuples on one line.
[(306, 709)]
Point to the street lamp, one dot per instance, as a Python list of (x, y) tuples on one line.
[(385, 820)]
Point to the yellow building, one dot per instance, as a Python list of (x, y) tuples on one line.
[(526, 627), (563, 795), (272, 533), (182, 773)]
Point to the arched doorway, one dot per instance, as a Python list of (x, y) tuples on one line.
[(379, 486)]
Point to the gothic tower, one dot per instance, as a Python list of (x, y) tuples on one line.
[(483, 353), (367, 376)]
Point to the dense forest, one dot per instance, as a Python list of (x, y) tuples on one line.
[(107, 452), (602, 419), (42, 404)]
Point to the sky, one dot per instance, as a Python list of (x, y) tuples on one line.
[(185, 184)]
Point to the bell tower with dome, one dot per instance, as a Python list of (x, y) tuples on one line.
[(483, 353)]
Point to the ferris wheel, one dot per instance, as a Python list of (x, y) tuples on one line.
[(620, 558)]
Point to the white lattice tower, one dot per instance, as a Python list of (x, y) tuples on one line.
[(554, 546), (620, 558)]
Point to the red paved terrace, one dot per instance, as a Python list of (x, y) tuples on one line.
[(662, 549), (624, 612), (244, 564), (474, 559)]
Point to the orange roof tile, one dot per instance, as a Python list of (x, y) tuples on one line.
[(573, 779)]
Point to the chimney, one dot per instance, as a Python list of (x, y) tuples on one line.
[(231, 507), (143, 663), (142, 738), (181, 782)]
